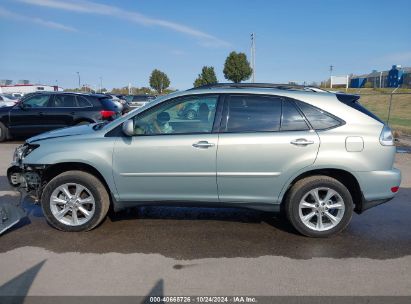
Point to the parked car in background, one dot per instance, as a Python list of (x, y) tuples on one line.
[(138, 101), (40, 112), (7, 100), (120, 102), (259, 149), (17, 95), (192, 110)]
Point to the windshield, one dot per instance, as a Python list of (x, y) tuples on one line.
[(10, 96)]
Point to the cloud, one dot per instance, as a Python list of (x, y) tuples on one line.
[(47, 23), (81, 6)]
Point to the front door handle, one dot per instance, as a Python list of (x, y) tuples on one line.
[(301, 142), (203, 144), (41, 113)]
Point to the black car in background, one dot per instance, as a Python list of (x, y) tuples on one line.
[(40, 112)]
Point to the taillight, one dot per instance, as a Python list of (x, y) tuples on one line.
[(395, 189), (106, 114), (386, 138)]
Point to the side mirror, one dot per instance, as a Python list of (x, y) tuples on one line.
[(128, 127)]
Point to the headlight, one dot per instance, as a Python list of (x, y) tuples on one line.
[(18, 153), (22, 151)]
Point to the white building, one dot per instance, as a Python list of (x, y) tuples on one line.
[(28, 88)]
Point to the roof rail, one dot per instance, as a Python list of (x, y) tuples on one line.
[(259, 85)]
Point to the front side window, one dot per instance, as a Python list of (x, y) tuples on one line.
[(318, 119), (184, 115), (64, 101), (37, 101), (253, 113)]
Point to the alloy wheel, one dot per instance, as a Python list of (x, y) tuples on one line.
[(321, 209), (72, 204)]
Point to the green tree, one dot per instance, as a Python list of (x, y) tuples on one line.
[(207, 76), (159, 81), (237, 68)]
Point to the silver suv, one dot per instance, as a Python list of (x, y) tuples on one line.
[(317, 156)]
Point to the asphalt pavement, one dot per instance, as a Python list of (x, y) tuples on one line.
[(207, 251)]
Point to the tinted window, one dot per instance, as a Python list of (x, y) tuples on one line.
[(292, 119), (185, 115), (252, 113), (37, 101), (83, 102), (318, 119), (64, 101)]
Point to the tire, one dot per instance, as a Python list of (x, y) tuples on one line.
[(191, 114), (316, 217), (92, 200), (81, 123), (4, 132)]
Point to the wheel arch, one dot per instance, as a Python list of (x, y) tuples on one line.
[(52, 171), (343, 176)]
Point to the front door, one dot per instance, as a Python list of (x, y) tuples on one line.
[(263, 141), (170, 157), (28, 117)]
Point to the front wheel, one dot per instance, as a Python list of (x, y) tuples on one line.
[(319, 206), (75, 201)]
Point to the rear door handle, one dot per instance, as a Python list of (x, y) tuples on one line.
[(203, 144), (301, 142), (41, 113)]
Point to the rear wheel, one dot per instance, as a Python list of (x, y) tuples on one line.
[(80, 123), (319, 206), (75, 201)]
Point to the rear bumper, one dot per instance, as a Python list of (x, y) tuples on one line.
[(376, 187)]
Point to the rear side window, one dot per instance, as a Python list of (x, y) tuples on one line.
[(253, 113), (318, 119), (63, 101), (292, 120), (83, 102)]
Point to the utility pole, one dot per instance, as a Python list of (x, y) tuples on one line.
[(331, 72), (101, 83), (79, 85), (253, 55)]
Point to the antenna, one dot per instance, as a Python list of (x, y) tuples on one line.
[(253, 55)]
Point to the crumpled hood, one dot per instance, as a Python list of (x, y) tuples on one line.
[(70, 131)]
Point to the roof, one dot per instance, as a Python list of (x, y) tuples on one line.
[(75, 93)]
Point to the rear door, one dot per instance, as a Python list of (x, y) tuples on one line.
[(62, 111), (263, 141)]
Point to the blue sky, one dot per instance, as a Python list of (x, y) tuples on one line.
[(123, 41)]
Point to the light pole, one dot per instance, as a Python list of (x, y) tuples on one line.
[(253, 55), (101, 83), (78, 74)]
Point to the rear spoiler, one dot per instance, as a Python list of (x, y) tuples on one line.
[(352, 101), (347, 98)]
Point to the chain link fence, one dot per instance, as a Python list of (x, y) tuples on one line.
[(392, 107)]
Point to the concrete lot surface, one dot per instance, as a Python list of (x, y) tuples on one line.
[(183, 251)]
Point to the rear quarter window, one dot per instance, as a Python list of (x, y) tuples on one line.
[(319, 119)]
